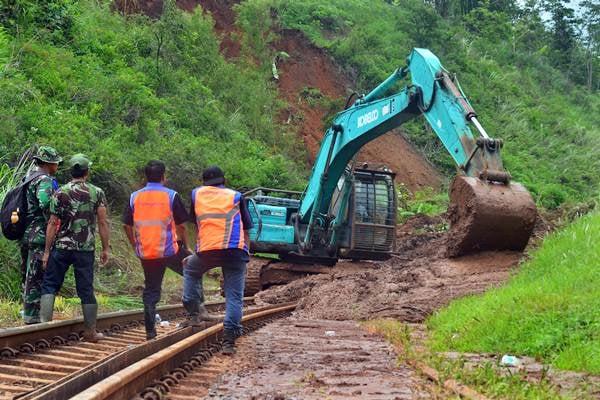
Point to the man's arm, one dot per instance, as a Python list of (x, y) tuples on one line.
[(129, 233), (181, 216), (104, 231), (127, 219), (247, 238), (246, 220), (51, 231)]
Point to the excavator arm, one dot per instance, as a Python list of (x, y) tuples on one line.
[(482, 197)]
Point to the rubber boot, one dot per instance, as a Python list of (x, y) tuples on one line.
[(193, 311), (204, 315), (46, 307), (228, 342), (90, 313), (150, 321)]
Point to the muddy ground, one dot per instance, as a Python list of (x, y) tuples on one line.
[(316, 359), (415, 282)]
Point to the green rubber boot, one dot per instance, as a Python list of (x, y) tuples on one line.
[(46, 307), (90, 313)]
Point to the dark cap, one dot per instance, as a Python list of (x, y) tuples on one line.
[(80, 161), (213, 176)]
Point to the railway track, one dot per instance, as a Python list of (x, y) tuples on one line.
[(50, 360), (158, 375)]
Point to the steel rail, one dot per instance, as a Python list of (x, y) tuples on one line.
[(130, 380), (30, 338)]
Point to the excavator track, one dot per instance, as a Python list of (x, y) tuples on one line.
[(253, 272)]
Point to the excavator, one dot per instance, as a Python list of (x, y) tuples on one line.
[(348, 210)]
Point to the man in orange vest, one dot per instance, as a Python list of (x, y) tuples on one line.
[(154, 222), (223, 224)]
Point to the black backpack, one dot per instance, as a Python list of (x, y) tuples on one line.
[(15, 204)]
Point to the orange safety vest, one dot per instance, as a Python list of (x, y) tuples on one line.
[(218, 219), (155, 234)]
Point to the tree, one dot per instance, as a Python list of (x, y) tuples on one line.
[(590, 35), (563, 31)]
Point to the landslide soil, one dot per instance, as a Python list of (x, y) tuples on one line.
[(310, 67), (415, 282)]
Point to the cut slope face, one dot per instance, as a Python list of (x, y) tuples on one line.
[(309, 67)]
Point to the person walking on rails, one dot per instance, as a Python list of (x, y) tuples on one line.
[(38, 195), (74, 210), (154, 222), (223, 223)]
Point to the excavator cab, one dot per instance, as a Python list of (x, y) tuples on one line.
[(371, 222)]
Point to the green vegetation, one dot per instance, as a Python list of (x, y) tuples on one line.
[(529, 86), (485, 379), (548, 311), (125, 89), (79, 77)]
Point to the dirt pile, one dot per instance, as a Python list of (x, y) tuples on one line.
[(418, 280)]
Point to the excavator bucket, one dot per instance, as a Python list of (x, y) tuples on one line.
[(488, 216)]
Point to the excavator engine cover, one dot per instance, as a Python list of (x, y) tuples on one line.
[(488, 216)]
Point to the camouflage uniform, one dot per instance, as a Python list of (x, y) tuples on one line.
[(39, 194), (76, 205)]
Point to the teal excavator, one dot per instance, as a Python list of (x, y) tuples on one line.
[(348, 211)]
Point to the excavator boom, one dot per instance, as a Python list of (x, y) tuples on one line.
[(475, 211)]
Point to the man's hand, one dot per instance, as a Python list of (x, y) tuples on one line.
[(104, 256), (45, 259)]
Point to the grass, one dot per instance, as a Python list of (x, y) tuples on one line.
[(550, 310), (425, 201), (484, 379)]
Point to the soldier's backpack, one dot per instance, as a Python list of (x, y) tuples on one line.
[(13, 214)]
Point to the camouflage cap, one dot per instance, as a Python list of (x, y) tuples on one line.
[(81, 161), (48, 155)]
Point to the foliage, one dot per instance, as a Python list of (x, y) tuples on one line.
[(424, 201), (125, 90), (549, 310), (505, 60)]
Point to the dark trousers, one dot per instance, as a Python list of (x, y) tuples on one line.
[(83, 266), (154, 272)]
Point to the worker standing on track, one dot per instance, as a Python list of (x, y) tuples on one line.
[(74, 209), (38, 195), (154, 222), (223, 225)]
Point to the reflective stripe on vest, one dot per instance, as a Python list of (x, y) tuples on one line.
[(218, 218), (155, 235)]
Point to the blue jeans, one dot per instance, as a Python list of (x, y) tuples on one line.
[(83, 265), (234, 276)]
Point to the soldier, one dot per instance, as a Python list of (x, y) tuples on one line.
[(74, 210), (39, 193)]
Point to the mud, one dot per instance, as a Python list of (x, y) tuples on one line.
[(489, 216), (415, 282), (297, 359)]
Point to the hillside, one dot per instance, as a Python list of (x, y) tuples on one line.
[(550, 124)]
